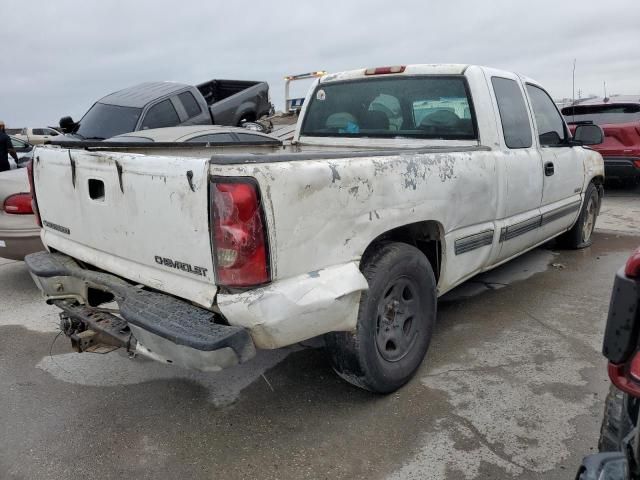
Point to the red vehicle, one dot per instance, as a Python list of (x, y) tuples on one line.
[(619, 117), (619, 442)]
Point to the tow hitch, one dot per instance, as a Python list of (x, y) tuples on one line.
[(94, 329)]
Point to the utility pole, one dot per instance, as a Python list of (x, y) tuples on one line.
[(573, 82), (573, 92), (604, 85)]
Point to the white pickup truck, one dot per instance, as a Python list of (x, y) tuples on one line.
[(401, 183)]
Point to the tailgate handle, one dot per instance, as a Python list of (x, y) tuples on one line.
[(190, 180), (549, 169), (73, 169), (119, 169)]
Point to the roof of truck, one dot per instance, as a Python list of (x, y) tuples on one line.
[(141, 94), (415, 69)]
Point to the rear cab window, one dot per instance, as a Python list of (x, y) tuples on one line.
[(190, 104), (602, 114), (514, 115), (425, 106)]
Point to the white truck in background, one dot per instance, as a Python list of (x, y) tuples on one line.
[(400, 183), (37, 136)]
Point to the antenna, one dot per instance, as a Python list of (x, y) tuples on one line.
[(573, 92), (604, 85)]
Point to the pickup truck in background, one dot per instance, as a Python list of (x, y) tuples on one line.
[(169, 104), (37, 136), (619, 118), (400, 183)]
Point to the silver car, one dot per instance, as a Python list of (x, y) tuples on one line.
[(199, 134), (19, 232)]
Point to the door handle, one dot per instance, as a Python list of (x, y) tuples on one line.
[(549, 169)]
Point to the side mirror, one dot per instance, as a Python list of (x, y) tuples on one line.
[(588, 134), (67, 125)]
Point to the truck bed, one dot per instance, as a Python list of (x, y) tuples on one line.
[(215, 90)]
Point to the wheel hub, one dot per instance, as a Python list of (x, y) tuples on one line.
[(397, 331), (589, 221)]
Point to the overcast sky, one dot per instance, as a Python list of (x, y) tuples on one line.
[(59, 57)]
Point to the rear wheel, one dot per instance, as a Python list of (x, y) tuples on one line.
[(395, 321), (580, 234)]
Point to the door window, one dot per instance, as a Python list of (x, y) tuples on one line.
[(161, 115), (513, 113), (550, 124), (50, 131), (190, 105), (250, 138), (38, 131), (213, 138)]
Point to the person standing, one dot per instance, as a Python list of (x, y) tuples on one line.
[(6, 149)]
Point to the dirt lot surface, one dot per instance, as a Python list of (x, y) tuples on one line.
[(513, 386)]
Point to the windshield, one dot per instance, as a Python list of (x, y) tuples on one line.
[(104, 121), (602, 114), (416, 107)]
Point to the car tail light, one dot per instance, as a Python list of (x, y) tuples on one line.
[(632, 268), (18, 204), (238, 234), (34, 201), (385, 70), (618, 377), (636, 163)]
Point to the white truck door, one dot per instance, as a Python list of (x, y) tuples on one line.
[(519, 218), (562, 166)]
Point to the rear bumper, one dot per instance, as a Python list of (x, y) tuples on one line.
[(155, 325), (620, 168)]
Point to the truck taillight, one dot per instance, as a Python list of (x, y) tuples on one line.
[(18, 204), (632, 267), (32, 188), (238, 234)]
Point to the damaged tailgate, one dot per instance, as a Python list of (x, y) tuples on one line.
[(141, 217)]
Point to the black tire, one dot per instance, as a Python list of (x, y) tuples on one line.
[(616, 422), (395, 321), (579, 236)]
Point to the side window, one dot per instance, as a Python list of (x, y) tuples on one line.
[(51, 132), (190, 104), (161, 115), (213, 138), (550, 124), (38, 131), (249, 138), (513, 113)]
